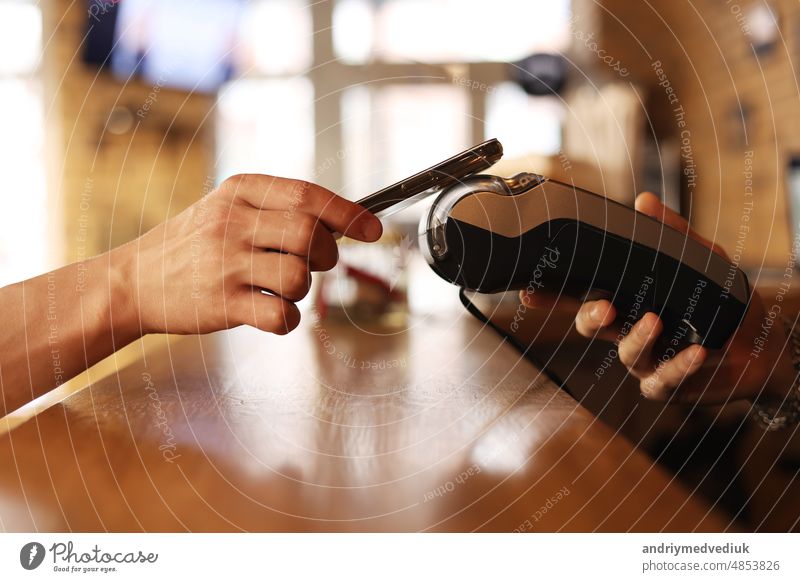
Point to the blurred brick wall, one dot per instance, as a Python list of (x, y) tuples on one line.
[(708, 61)]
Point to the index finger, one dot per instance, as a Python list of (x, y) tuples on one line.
[(299, 196), (549, 301)]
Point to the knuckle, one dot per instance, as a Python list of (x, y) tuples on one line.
[(628, 355), (216, 219), (298, 279), (236, 182), (240, 267), (306, 228), (300, 194)]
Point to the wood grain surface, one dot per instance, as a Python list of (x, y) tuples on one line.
[(440, 427)]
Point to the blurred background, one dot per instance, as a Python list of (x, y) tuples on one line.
[(117, 114)]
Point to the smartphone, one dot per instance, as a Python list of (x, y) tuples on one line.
[(398, 196)]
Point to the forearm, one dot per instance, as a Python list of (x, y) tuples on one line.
[(58, 324)]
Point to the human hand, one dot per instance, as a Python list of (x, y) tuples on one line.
[(204, 269), (696, 374)]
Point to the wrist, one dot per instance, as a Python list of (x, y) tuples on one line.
[(777, 405), (123, 294), (781, 380)]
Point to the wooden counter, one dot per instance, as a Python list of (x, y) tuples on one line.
[(333, 428)]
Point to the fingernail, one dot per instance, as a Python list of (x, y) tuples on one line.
[(644, 327), (690, 355), (371, 228), (597, 313)]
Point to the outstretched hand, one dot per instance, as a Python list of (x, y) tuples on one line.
[(205, 269)]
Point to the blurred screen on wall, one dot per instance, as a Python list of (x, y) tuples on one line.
[(185, 44)]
